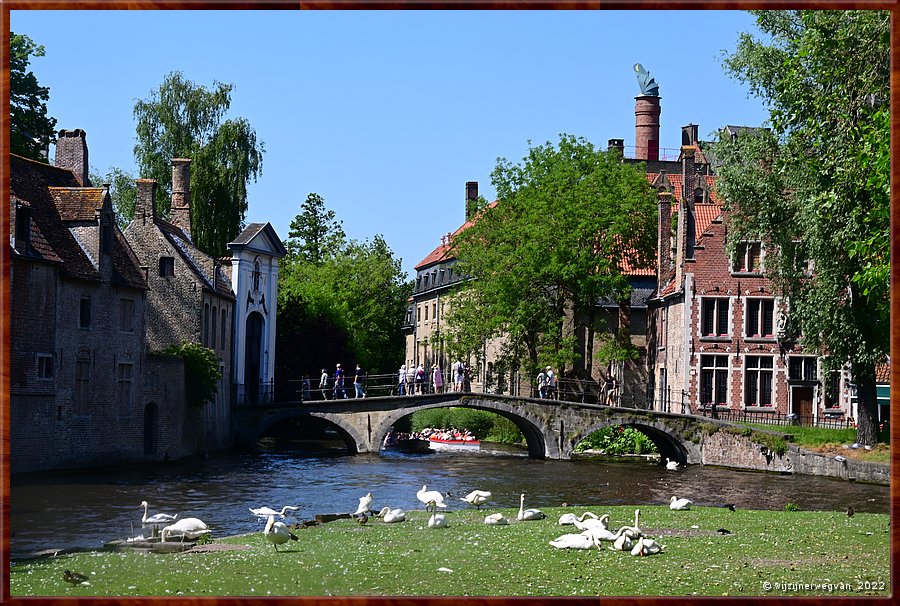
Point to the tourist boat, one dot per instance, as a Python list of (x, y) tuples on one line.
[(410, 445), (444, 444)]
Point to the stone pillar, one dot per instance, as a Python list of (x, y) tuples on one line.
[(664, 244), (646, 127), (72, 153)]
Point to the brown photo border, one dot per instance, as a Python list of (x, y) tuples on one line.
[(6, 5)]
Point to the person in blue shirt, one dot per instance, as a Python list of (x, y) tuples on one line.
[(357, 382), (339, 382)]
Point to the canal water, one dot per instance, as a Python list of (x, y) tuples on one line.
[(86, 509)]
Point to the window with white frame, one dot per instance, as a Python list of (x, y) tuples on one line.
[(748, 258), (713, 380), (714, 317), (44, 367), (758, 374), (759, 318)]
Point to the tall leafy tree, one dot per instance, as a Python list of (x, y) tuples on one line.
[(568, 218), (315, 234), (31, 130), (183, 119), (122, 192), (816, 185)]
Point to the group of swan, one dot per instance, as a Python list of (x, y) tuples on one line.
[(186, 528), (596, 531)]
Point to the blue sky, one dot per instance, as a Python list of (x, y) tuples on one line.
[(386, 115)]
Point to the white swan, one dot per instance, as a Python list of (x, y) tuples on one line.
[(477, 498), (437, 520), (156, 519), (571, 518), (265, 512), (365, 503), (595, 522), (427, 496), (496, 519), (528, 514), (187, 528), (671, 465), (605, 534), (574, 541), (625, 540), (278, 533), (390, 516), (679, 504), (645, 546)]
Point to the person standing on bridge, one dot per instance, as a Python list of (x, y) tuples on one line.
[(358, 381), (401, 380), (458, 371), (339, 382), (304, 388), (420, 379), (541, 381), (323, 384), (438, 380), (551, 384)]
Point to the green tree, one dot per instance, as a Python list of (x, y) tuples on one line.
[(816, 186), (315, 234), (122, 192), (31, 130), (567, 220), (182, 119)]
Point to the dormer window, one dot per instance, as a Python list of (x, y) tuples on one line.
[(748, 258), (23, 227)]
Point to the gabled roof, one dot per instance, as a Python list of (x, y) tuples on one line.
[(56, 199), (676, 181), (444, 251), (205, 267), (260, 237)]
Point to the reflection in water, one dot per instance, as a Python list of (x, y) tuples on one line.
[(86, 509)]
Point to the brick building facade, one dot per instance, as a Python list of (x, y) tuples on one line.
[(79, 390)]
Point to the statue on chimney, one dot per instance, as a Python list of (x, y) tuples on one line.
[(649, 87)]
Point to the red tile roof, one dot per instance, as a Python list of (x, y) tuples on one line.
[(883, 372), (77, 203), (444, 252), (676, 182)]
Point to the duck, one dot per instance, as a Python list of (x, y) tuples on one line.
[(428, 496), (362, 518), (671, 465), (365, 503), (75, 578), (437, 520), (477, 498), (528, 514), (677, 504), (594, 522), (496, 519), (389, 516), (265, 512), (277, 533), (571, 518), (187, 528)]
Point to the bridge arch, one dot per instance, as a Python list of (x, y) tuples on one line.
[(354, 441), (670, 443), (531, 428)]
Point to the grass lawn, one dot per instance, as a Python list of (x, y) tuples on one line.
[(469, 558), (832, 441)]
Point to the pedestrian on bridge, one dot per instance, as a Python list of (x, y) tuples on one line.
[(458, 370), (541, 381), (358, 381), (304, 387), (438, 379), (551, 384), (339, 382), (323, 384), (420, 379), (401, 380)]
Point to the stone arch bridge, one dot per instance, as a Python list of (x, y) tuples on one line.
[(551, 428)]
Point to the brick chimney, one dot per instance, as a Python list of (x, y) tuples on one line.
[(72, 153), (471, 198), (646, 127), (618, 144), (180, 211), (664, 243), (689, 134), (145, 201), (689, 184)]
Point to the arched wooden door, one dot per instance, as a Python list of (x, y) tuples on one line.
[(253, 356)]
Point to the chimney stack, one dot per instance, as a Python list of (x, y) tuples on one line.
[(618, 144), (646, 127), (72, 153), (145, 201), (689, 134), (471, 198), (664, 244), (180, 210)]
